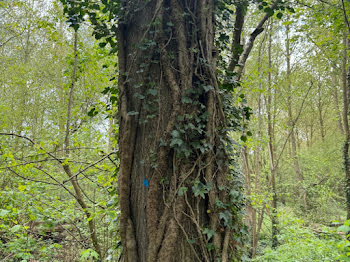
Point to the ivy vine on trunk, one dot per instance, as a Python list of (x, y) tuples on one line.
[(176, 199)]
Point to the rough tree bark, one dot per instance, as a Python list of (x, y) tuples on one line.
[(173, 189)]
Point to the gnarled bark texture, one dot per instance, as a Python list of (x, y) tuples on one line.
[(173, 161)]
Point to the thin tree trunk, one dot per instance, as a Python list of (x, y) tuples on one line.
[(311, 130), (320, 116), (60, 90), (255, 230), (111, 134), (260, 222), (251, 211), (21, 122), (336, 103), (78, 192), (273, 167), (294, 156), (346, 88)]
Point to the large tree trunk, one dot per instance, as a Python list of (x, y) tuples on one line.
[(173, 188)]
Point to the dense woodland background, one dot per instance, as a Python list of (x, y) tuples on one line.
[(58, 101)]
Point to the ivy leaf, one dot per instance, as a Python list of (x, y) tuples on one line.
[(106, 90), (176, 141), (226, 216), (113, 99), (210, 246), (162, 142), (175, 133), (153, 91), (269, 11), (182, 190), (209, 232), (93, 112), (291, 9), (191, 241), (199, 189), (208, 88), (139, 96), (198, 193), (95, 6), (234, 194), (244, 138), (102, 44), (220, 204), (75, 27), (186, 100), (223, 37), (133, 113)]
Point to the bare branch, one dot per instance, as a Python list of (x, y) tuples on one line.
[(89, 166), (293, 124), (31, 179), (9, 39)]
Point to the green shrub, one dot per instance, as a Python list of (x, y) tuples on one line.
[(298, 243)]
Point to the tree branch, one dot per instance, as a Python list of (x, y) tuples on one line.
[(345, 16), (236, 48), (257, 31), (293, 125)]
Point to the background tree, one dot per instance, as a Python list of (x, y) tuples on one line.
[(38, 205)]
